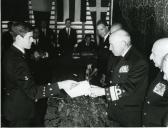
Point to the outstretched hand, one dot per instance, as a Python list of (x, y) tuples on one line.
[(67, 84), (96, 91)]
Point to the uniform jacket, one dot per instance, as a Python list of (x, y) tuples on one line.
[(67, 42), (20, 89), (103, 55), (156, 103), (127, 82)]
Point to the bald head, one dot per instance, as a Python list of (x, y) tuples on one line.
[(115, 27), (119, 41), (121, 35), (159, 50)]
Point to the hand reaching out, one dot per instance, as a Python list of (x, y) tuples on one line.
[(67, 84), (96, 91), (82, 88)]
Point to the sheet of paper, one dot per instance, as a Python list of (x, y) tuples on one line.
[(82, 88)]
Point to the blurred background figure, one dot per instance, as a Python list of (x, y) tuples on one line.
[(38, 59), (7, 38), (86, 45), (67, 38), (47, 37), (88, 52)]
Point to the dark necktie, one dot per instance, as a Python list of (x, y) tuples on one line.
[(44, 32), (36, 41), (68, 32)]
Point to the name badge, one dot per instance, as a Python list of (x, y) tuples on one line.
[(105, 47), (124, 69), (159, 89)]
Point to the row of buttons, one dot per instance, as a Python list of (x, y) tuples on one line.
[(108, 94)]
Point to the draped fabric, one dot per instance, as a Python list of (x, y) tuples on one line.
[(14, 10), (41, 10), (146, 19), (41, 5), (73, 9), (39, 16)]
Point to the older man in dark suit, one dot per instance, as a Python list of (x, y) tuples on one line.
[(21, 92), (127, 80), (156, 101), (103, 50)]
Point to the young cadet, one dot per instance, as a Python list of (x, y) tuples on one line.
[(21, 91)]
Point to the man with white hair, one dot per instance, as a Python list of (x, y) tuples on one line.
[(127, 81), (156, 101), (165, 67), (165, 77)]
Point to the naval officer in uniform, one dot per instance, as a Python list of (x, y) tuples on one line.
[(21, 92), (127, 81)]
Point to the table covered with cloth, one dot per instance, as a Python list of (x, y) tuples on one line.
[(82, 111)]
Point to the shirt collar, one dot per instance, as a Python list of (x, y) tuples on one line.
[(105, 37), (125, 52), (19, 48)]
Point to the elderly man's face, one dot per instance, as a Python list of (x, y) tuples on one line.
[(165, 68), (117, 45), (102, 30), (156, 56), (159, 50)]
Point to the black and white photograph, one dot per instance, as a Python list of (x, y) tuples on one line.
[(84, 63)]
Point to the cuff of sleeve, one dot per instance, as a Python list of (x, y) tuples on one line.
[(59, 85), (55, 87), (47, 91), (113, 93)]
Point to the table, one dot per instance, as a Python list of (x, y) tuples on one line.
[(77, 112)]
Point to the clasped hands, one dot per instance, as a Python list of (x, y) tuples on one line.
[(75, 89)]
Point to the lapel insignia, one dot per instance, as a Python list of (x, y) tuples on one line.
[(124, 69), (26, 78), (105, 46), (159, 89)]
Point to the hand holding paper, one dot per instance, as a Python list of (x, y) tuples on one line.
[(82, 88), (67, 84), (96, 91)]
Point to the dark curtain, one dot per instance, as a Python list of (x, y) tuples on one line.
[(146, 21), (15, 10), (39, 16)]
